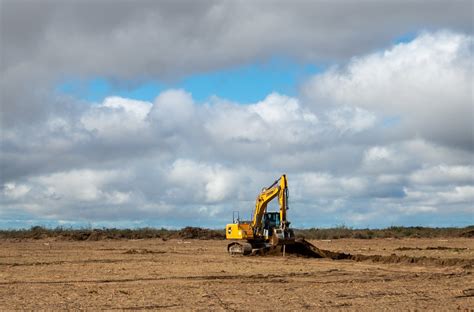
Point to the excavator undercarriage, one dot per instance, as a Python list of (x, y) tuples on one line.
[(237, 248), (300, 247)]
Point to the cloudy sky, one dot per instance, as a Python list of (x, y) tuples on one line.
[(175, 113)]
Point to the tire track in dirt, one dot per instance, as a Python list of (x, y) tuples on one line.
[(13, 264), (257, 277), (127, 280), (147, 307), (223, 304), (127, 308), (128, 251), (340, 256)]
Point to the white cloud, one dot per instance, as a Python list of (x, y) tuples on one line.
[(138, 108), (378, 153), (117, 198), (78, 185), (427, 84), (117, 117), (277, 119), (443, 174), (351, 119), (388, 178), (460, 194), (173, 108), (230, 122), (443, 198), (208, 183), (391, 159), (277, 108), (14, 191), (325, 185)]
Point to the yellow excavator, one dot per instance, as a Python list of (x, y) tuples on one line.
[(267, 230)]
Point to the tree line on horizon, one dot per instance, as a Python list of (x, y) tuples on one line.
[(90, 234)]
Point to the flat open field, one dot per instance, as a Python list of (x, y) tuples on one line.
[(199, 275)]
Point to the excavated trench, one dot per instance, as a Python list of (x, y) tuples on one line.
[(303, 248)]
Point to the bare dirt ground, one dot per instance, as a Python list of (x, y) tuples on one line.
[(199, 275)]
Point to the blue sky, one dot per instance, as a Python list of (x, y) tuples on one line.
[(242, 84)]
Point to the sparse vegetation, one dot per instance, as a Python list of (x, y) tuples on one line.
[(38, 232), (390, 232)]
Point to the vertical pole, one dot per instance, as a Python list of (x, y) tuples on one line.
[(284, 247)]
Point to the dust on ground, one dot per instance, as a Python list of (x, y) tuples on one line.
[(199, 275)]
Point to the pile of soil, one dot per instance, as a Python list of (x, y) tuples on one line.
[(469, 233), (414, 260), (304, 248)]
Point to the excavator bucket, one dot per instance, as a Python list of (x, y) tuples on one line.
[(282, 237)]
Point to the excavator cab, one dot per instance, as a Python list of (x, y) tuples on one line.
[(271, 220)]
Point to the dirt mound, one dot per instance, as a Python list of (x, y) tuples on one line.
[(469, 233), (301, 249), (304, 248), (414, 260)]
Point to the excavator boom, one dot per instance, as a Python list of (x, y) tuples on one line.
[(278, 188)]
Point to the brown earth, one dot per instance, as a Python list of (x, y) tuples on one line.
[(384, 274)]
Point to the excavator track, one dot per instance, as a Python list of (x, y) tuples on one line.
[(237, 248)]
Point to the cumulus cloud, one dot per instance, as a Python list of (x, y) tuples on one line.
[(14, 191), (351, 119), (426, 85), (386, 159), (77, 185), (173, 108), (116, 117), (442, 174), (278, 120), (201, 182)]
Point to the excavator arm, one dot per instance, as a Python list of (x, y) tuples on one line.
[(278, 188), (283, 200)]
